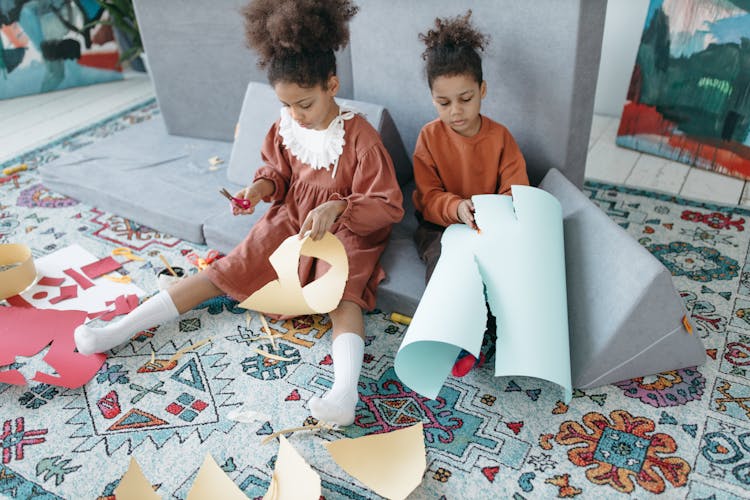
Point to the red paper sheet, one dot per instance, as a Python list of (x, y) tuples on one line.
[(79, 278), (100, 267), (26, 331)]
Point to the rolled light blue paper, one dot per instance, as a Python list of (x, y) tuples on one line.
[(519, 257)]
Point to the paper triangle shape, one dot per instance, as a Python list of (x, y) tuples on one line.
[(212, 482), (286, 295), (293, 478), (391, 464), (134, 485)]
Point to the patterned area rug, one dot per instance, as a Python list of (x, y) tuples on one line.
[(681, 434)]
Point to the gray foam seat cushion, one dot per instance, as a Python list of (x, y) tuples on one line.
[(143, 173)]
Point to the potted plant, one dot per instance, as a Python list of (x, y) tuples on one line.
[(121, 16)]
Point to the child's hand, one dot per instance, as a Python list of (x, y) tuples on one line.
[(253, 193), (466, 213), (321, 218)]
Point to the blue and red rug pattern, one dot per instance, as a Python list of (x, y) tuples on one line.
[(679, 434)]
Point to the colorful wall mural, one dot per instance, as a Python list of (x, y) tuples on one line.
[(689, 96), (49, 45)]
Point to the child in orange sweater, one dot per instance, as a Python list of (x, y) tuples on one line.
[(462, 152)]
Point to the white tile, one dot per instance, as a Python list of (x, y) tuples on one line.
[(660, 174), (709, 186), (599, 124), (55, 119), (610, 163), (745, 198), (610, 132)]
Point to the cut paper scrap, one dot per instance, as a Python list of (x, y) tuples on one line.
[(134, 485), (391, 464), (212, 482), (519, 257), (123, 304), (20, 272), (286, 295), (53, 266), (293, 478), (26, 331), (100, 267)]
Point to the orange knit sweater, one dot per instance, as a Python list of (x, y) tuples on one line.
[(449, 167)]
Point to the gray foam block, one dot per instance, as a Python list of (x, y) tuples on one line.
[(144, 174)]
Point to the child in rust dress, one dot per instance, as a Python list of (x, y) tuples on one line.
[(324, 169)]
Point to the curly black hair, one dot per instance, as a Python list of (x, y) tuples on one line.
[(452, 47), (296, 39)]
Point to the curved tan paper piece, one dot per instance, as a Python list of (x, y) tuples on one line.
[(21, 275), (286, 295), (134, 485), (293, 478), (212, 482), (391, 464)]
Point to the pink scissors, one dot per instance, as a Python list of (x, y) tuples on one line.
[(241, 203)]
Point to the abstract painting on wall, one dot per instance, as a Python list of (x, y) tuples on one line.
[(689, 96), (50, 45)]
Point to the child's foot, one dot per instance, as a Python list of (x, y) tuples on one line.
[(93, 340), (155, 311), (465, 364), (333, 411), (337, 407)]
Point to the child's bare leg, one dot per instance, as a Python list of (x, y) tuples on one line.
[(162, 307), (347, 351)]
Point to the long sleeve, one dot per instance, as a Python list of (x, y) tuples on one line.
[(275, 165), (512, 167), (376, 200), (438, 205)]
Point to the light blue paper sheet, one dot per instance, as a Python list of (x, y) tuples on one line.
[(519, 256)]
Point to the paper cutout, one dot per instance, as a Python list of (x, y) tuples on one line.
[(293, 478), (26, 331), (212, 482), (134, 485), (519, 257), (100, 267), (47, 281), (391, 464), (22, 273), (286, 296), (79, 278), (66, 292), (92, 300), (306, 428), (123, 305)]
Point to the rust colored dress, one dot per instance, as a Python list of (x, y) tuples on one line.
[(364, 178)]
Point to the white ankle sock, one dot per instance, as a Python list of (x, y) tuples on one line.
[(337, 407), (155, 311)]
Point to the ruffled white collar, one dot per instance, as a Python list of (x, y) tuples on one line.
[(317, 148)]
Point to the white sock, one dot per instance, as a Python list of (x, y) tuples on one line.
[(155, 311), (337, 407)]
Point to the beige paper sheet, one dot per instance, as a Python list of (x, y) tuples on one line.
[(16, 279), (286, 296), (212, 483), (391, 464), (134, 485), (293, 478)]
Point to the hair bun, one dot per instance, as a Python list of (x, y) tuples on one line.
[(277, 27), (454, 32)]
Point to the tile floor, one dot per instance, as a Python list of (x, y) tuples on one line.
[(31, 121)]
